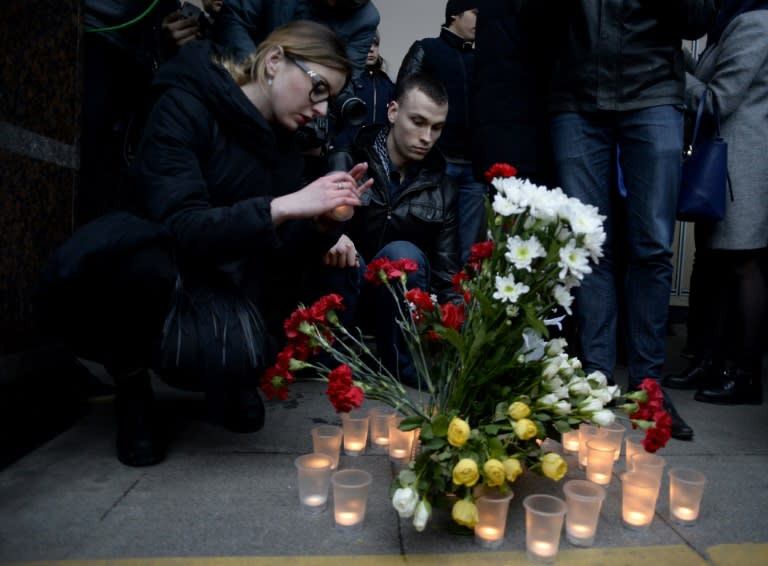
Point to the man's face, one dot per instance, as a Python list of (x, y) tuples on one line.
[(464, 25), (417, 122)]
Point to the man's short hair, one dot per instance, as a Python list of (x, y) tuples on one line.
[(426, 83)]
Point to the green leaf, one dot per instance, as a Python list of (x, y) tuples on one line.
[(426, 432), (562, 426), (440, 425), (433, 444), (411, 423)]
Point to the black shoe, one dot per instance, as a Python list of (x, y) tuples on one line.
[(245, 411), (736, 387), (680, 429), (695, 376), (138, 440)]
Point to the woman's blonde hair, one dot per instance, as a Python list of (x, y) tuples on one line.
[(301, 39)]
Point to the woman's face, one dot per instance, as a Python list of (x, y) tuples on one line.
[(373, 54), (301, 90)]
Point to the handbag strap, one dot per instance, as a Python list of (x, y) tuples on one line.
[(716, 115), (700, 113)]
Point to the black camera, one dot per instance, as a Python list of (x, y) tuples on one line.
[(189, 10), (346, 110)]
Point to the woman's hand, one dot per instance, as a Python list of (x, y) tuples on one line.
[(322, 196), (342, 254)]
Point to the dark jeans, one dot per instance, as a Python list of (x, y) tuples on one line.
[(650, 142), (379, 312), (471, 206)]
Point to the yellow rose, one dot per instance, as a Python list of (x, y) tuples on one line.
[(458, 432), (465, 513), (525, 429), (553, 466), (518, 410), (466, 472), (512, 469), (493, 470)]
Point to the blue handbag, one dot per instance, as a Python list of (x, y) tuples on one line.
[(705, 173)]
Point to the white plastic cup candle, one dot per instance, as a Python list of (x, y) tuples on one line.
[(399, 442), (614, 433), (651, 464), (326, 439), (544, 516), (686, 487), (600, 461), (571, 441), (587, 432), (639, 492), (350, 496), (314, 479), (355, 427), (584, 500), (632, 445), (492, 511), (379, 418), (342, 213)]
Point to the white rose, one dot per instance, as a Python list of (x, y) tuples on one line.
[(404, 501), (561, 392), (580, 386), (603, 394), (551, 368), (562, 408), (599, 378), (603, 418), (548, 399), (553, 384), (555, 346), (421, 516), (590, 405)]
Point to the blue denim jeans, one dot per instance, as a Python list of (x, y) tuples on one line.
[(639, 228), (471, 206), (380, 313)]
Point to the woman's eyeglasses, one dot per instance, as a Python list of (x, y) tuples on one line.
[(321, 91)]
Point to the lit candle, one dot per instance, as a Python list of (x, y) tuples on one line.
[(353, 446), (599, 479), (685, 513), (489, 533), (637, 518), (381, 441), (348, 518), (399, 453), (314, 500), (578, 530), (342, 212), (571, 441), (542, 548)]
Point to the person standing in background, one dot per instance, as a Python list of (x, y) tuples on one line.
[(619, 83), (375, 88), (451, 58), (729, 294), (514, 55)]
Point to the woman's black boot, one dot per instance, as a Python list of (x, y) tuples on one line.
[(698, 374), (139, 442), (736, 387)]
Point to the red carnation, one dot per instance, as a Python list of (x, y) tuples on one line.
[(500, 170), (480, 251), (452, 316), (344, 396), (657, 436), (292, 325), (275, 382), (421, 299)]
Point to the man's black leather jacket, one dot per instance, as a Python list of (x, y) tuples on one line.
[(425, 213)]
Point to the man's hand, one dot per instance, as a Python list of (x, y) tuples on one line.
[(178, 30), (342, 254)]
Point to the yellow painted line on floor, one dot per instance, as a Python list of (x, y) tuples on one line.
[(739, 554), (675, 555)]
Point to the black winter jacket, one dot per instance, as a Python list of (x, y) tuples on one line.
[(209, 165), (624, 54), (425, 213), (452, 60)]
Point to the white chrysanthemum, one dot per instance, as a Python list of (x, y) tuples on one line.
[(503, 206), (563, 297), (583, 218), (508, 290), (593, 243), (521, 253), (573, 261)]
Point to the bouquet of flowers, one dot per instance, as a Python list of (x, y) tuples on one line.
[(492, 384)]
